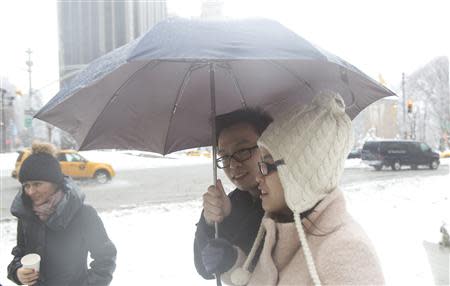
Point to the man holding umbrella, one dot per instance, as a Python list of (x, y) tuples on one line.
[(163, 84), (239, 213)]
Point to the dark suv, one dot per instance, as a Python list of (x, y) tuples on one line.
[(396, 154)]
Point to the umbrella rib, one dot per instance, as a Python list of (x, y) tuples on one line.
[(299, 79), (344, 78), (115, 95), (229, 69), (180, 92)]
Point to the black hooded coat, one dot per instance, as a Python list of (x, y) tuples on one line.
[(64, 241)]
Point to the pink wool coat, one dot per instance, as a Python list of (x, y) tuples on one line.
[(342, 252)]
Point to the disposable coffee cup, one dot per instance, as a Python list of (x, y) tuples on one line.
[(31, 261)]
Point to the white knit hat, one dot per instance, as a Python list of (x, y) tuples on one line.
[(313, 140)]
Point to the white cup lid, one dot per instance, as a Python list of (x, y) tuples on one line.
[(30, 259)]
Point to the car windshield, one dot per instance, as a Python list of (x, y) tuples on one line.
[(371, 146), (74, 157), (424, 147)]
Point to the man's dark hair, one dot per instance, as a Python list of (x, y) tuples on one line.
[(256, 117)]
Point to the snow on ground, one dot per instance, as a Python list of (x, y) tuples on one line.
[(132, 160), (355, 163), (399, 217), (120, 160), (155, 242), (7, 163)]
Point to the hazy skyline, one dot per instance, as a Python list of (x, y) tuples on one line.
[(379, 37)]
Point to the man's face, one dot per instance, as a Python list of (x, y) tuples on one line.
[(236, 138)]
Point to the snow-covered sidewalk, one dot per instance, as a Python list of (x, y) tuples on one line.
[(155, 242), (135, 160), (120, 160)]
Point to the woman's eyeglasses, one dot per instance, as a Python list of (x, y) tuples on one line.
[(267, 168)]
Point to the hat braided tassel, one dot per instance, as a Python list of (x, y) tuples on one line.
[(306, 251)]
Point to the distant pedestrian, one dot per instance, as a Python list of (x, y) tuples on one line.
[(54, 223)]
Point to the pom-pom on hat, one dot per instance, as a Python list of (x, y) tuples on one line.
[(41, 165)]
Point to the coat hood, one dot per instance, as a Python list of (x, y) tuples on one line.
[(66, 209)]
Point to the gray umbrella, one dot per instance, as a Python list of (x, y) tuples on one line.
[(155, 93), (160, 92)]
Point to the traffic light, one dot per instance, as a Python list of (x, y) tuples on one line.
[(409, 105)]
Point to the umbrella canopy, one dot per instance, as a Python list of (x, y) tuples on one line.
[(154, 93)]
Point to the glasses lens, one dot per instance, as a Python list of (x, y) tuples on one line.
[(223, 162), (263, 168), (242, 155)]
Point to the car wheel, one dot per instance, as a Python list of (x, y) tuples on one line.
[(101, 176), (378, 167), (434, 164), (396, 166)]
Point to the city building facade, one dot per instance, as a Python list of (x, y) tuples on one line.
[(90, 29)]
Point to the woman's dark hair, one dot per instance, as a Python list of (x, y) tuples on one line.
[(255, 117), (314, 230), (320, 232)]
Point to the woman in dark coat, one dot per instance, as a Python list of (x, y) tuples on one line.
[(54, 222)]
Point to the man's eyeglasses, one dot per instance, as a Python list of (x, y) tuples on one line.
[(267, 168), (239, 156)]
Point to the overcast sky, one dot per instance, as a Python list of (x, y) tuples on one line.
[(380, 37)]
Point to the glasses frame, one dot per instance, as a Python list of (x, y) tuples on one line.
[(270, 167), (233, 156)]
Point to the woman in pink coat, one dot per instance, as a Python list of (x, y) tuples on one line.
[(307, 236)]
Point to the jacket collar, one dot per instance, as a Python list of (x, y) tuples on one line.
[(69, 205), (334, 200)]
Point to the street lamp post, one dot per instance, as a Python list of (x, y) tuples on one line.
[(3, 118), (405, 133), (29, 63), (3, 123), (29, 112)]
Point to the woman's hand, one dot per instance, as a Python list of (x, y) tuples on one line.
[(27, 276)]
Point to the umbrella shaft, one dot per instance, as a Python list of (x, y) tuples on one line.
[(212, 92)]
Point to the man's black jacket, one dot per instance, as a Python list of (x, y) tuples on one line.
[(239, 228)]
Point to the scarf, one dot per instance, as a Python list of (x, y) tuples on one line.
[(44, 210)]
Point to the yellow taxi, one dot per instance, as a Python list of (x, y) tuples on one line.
[(198, 153), (73, 165), (445, 154)]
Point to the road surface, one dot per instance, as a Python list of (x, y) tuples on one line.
[(132, 188)]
